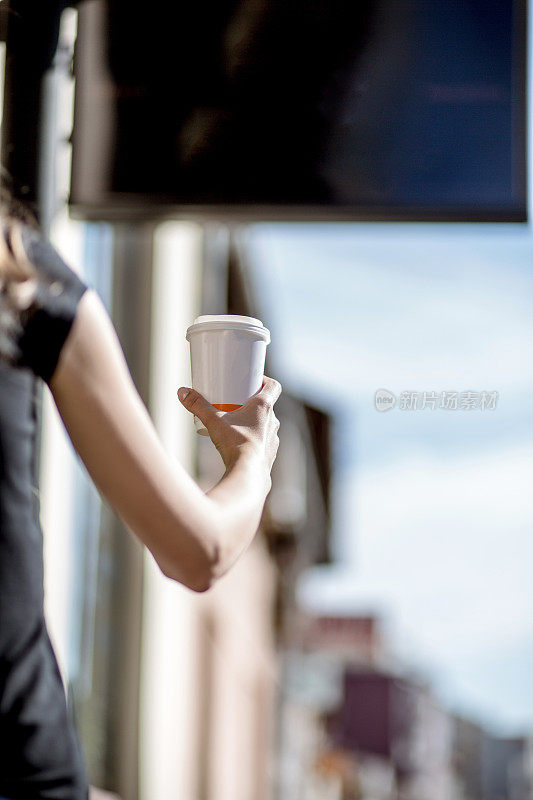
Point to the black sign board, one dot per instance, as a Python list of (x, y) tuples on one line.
[(302, 109)]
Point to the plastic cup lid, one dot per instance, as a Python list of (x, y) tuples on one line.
[(217, 322)]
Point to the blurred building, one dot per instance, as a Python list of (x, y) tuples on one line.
[(490, 767), (313, 763), (398, 720), (352, 640), (360, 728)]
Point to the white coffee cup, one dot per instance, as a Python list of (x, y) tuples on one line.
[(227, 359)]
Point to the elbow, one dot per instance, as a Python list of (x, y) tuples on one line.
[(201, 583), (209, 571), (199, 574)]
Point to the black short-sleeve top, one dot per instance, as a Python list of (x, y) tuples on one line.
[(40, 756)]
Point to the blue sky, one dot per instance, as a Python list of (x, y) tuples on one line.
[(434, 509)]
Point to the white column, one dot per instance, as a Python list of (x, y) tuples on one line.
[(57, 455), (57, 485), (169, 710)]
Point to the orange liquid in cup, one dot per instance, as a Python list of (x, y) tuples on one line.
[(226, 407)]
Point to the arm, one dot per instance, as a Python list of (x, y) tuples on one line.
[(194, 537)]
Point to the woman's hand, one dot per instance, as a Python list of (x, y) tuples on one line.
[(250, 429)]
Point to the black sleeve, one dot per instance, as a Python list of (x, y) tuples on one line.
[(47, 322)]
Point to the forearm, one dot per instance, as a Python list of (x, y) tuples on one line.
[(239, 498)]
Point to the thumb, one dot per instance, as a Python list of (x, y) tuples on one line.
[(199, 406)]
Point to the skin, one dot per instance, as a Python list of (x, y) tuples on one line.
[(195, 537), (100, 794)]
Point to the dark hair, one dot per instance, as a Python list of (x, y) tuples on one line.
[(18, 276), (11, 206)]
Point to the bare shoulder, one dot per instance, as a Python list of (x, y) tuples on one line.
[(92, 349)]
